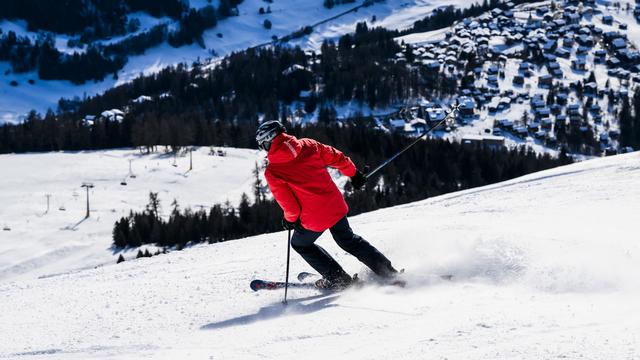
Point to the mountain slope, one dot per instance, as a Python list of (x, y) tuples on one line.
[(61, 240), (235, 33), (545, 266)]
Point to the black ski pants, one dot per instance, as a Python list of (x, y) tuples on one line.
[(303, 242)]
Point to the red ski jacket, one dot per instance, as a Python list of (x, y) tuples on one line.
[(300, 183)]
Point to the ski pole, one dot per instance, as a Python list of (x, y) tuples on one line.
[(449, 116), (286, 280)]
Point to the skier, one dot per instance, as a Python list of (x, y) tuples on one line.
[(311, 202)]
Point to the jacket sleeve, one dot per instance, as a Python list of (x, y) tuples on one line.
[(284, 196), (334, 158)]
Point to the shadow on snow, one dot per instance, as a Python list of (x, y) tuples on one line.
[(294, 307)]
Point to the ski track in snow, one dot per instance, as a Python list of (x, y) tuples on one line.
[(544, 266)]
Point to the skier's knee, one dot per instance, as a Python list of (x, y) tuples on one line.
[(300, 244), (350, 243)]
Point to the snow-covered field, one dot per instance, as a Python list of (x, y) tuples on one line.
[(544, 267), (61, 240)]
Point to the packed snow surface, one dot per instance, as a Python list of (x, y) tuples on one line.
[(544, 266)]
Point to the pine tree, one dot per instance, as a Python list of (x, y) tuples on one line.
[(120, 259)]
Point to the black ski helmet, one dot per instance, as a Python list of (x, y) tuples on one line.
[(267, 131)]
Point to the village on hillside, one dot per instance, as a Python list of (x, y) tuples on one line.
[(547, 74)]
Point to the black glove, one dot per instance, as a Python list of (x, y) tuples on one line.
[(297, 226), (359, 179), (288, 225)]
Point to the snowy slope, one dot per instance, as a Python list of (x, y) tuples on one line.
[(545, 266), (41, 244), (236, 33)]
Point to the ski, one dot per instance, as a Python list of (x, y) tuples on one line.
[(303, 276), (358, 282), (257, 285)]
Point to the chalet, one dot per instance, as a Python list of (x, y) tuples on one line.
[(490, 141), (549, 46), (537, 102), (562, 98), (493, 69), (546, 123), (618, 44), (563, 53), (579, 64), (613, 62), (435, 115), (505, 124), (542, 10), (558, 23), (409, 130), (582, 51), (556, 109), (540, 134), (623, 74), (599, 56), (629, 57), (545, 80), (543, 113), (561, 119), (504, 103), (493, 141), (518, 80), (419, 125), (585, 30), (523, 66), (590, 88), (622, 26), (585, 40), (607, 19), (568, 42), (597, 118), (467, 106), (397, 124), (610, 36), (572, 18), (573, 109), (492, 80), (521, 132)]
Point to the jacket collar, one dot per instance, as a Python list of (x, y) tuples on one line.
[(284, 148)]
